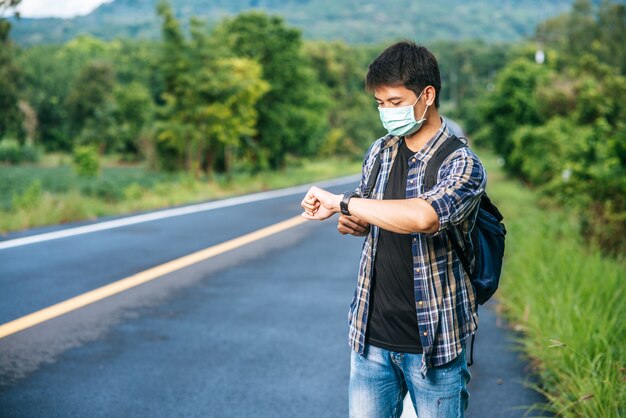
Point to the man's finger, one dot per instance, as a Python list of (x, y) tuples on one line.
[(358, 221), (343, 230), (349, 223)]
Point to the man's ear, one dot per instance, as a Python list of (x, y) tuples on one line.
[(430, 94)]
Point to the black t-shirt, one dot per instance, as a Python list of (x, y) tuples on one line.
[(392, 322)]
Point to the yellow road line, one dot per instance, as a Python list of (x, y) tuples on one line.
[(129, 282)]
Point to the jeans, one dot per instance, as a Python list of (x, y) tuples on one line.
[(380, 379)]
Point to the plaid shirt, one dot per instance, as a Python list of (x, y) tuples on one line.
[(444, 297)]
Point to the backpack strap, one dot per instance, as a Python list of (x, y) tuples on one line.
[(450, 145), (371, 180)]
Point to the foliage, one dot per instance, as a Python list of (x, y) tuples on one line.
[(119, 190), (30, 198), (86, 161), (10, 77), (292, 115), (209, 99), (468, 70), (12, 152), (366, 21), (562, 127), (352, 113), (600, 32), (567, 300), (510, 105)]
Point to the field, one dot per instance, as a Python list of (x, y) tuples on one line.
[(35, 195)]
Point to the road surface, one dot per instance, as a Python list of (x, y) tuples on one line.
[(257, 330)]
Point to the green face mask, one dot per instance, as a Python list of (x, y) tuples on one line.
[(401, 121)]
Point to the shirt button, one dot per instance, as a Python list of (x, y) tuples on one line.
[(412, 160), (414, 239), (425, 333), (421, 303), (410, 181), (417, 270)]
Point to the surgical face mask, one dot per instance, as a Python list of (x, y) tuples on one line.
[(401, 121)]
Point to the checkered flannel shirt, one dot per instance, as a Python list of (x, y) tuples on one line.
[(444, 297)]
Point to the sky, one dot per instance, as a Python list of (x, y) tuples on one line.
[(61, 8)]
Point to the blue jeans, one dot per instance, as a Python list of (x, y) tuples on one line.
[(380, 379)]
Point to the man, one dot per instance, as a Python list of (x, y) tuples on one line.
[(414, 306)]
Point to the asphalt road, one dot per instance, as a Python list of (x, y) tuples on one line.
[(257, 331)]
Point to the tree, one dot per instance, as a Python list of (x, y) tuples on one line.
[(10, 76), (293, 114), (209, 98), (511, 105), (90, 105), (352, 116)]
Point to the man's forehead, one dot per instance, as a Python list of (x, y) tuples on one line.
[(392, 92)]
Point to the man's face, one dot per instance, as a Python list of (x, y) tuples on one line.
[(398, 96)]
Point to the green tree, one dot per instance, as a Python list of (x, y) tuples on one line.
[(293, 114), (600, 31), (133, 112), (210, 99), (352, 115), (511, 105), (90, 105), (10, 75)]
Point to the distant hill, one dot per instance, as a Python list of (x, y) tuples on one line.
[(355, 21)]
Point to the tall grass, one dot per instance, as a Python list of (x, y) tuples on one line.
[(567, 299)]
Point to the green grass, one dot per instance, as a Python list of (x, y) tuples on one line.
[(566, 299), (38, 195)]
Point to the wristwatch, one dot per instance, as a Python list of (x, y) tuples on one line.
[(343, 205)]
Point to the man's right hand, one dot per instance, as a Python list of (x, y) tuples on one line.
[(352, 225)]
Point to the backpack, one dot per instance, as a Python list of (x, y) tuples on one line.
[(487, 236)]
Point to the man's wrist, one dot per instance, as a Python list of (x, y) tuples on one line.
[(345, 200)]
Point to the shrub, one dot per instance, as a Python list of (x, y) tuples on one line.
[(30, 198), (86, 161), (13, 153), (104, 189)]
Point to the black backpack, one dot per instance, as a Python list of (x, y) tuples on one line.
[(487, 235)]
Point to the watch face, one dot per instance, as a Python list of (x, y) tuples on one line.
[(343, 205)]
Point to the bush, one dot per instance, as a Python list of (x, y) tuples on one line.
[(86, 161), (104, 189), (565, 132), (13, 153), (133, 191), (29, 198)]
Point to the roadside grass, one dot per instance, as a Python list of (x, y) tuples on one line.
[(36, 195), (566, 298)]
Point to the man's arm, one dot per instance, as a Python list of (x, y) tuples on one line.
[(449, 202), (403, 216)]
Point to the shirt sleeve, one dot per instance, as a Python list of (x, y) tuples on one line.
[(461, 184)]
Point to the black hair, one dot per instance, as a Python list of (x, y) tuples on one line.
[(405, 64)]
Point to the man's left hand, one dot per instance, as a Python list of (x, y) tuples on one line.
[(318, 204)]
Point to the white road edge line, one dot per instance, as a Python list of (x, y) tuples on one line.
[(168, 213)]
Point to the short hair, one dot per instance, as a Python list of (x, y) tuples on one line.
[(405, 64)]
